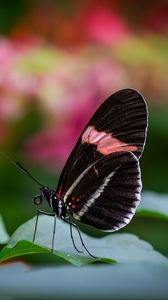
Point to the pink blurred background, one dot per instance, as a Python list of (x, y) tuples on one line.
[(60, 59)]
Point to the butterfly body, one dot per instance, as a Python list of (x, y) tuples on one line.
[(58, 205)]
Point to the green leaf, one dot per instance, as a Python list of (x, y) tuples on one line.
[(154, 205), (26, 248), (108, 249), (4, 237)]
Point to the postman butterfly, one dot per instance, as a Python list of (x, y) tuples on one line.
[(100, 184)]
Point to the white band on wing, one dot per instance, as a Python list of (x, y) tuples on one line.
[(95, 195)]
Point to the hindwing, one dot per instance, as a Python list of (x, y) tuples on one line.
[(108, 193)]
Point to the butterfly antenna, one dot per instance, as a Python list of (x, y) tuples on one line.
[(20, 167)]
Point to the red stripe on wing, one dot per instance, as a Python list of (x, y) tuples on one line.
[(105, 142), (59, 192)]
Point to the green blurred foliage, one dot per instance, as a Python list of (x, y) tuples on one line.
[(10, 13)]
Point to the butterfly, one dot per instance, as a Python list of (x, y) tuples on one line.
[(100, 184)]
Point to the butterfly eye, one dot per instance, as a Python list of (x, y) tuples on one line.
[(37, 200)]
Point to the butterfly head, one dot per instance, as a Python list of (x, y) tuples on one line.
[(45, 193)]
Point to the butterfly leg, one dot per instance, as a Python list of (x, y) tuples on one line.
[(35, 228), (54, 230), (73, 239), (80, 236)]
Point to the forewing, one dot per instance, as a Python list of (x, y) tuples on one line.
[(109, 192), (118, 125)]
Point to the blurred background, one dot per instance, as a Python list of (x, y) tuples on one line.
[(58, 61)]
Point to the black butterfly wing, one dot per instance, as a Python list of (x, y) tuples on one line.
[(119, 124), (109, 193)]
